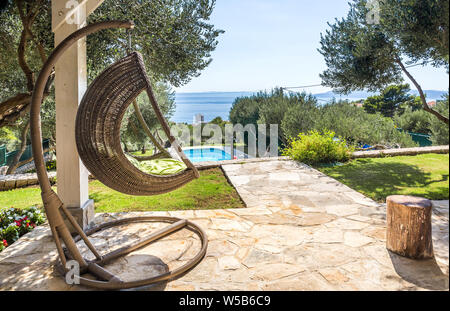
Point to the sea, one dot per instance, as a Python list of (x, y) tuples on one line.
[(218, 104), (209, 104)]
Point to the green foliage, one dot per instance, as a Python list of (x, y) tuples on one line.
[(300, 113), (439, 130), (300, 118), (359, 127), (316, 147), (416, 121), (420, 27), (51, 165), (245, 110), (16, 222), (393, 99), (277, 107), (360, 55), (292, 112), (419, 121), (174, 37), (7, 137)]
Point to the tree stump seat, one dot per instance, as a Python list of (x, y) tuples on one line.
[(409, 232)]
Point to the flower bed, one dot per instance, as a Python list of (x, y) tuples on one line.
[(16, 222)]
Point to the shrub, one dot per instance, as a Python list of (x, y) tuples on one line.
[(49, 165), (300, 118), (417, 121), (16, 222), (359, 127), (316, 147), (439, 130)]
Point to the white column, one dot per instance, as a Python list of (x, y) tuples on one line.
[(70, 86)]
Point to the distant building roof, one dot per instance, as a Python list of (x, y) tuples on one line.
[(432, 103), (198, 119)]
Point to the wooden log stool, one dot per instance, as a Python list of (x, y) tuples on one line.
[(409, 226)]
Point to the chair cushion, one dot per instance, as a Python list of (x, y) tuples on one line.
[(160, 167)]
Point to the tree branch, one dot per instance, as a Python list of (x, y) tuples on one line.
[(421, 93), (15, 164), (23, 45), (15, 107)]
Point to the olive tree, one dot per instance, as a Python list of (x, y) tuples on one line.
[(377, 41)]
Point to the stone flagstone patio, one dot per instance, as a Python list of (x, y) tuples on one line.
[(302, 230)]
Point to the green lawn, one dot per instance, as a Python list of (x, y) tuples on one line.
[(210, 191), (140, 154), (423, 175)]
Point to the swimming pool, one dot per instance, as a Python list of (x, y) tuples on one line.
[(206, 154)]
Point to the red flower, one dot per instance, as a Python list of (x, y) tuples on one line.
[(28, 224), (5, 244), (18, 223)]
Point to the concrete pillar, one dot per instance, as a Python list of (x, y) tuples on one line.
[(70, 85)]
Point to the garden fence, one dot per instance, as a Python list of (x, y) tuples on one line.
[(7, 157), (423, 140)]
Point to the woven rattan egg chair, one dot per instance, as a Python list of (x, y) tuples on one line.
[(161, 151), (98, 142)]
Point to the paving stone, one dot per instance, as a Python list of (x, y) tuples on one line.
[(255, 211), (306, 281), (259, 257), (334, 276), (342, 210), (286, 235), (274, 271), (328, 235), (229, 263), (360, 218), (315, 256), (375, 232), (304, 231), (218, 248), (356, 239), (306, 219), (346, 224), (230, 225)]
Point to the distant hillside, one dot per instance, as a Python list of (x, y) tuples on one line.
[(430, 94)]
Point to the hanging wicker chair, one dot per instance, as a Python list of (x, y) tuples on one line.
[(98, 142), (98, 131)]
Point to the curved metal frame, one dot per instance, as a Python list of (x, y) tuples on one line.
[(55, 209)]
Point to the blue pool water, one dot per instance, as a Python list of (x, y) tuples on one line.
[(206, 154)]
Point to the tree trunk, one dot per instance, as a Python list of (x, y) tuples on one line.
[(125, 147), (15, 163), (147, 129), (422, 95), (409, 226)]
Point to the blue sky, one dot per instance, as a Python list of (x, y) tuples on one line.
[(270, 43)]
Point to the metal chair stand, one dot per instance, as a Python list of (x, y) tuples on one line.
[(55, 209)]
